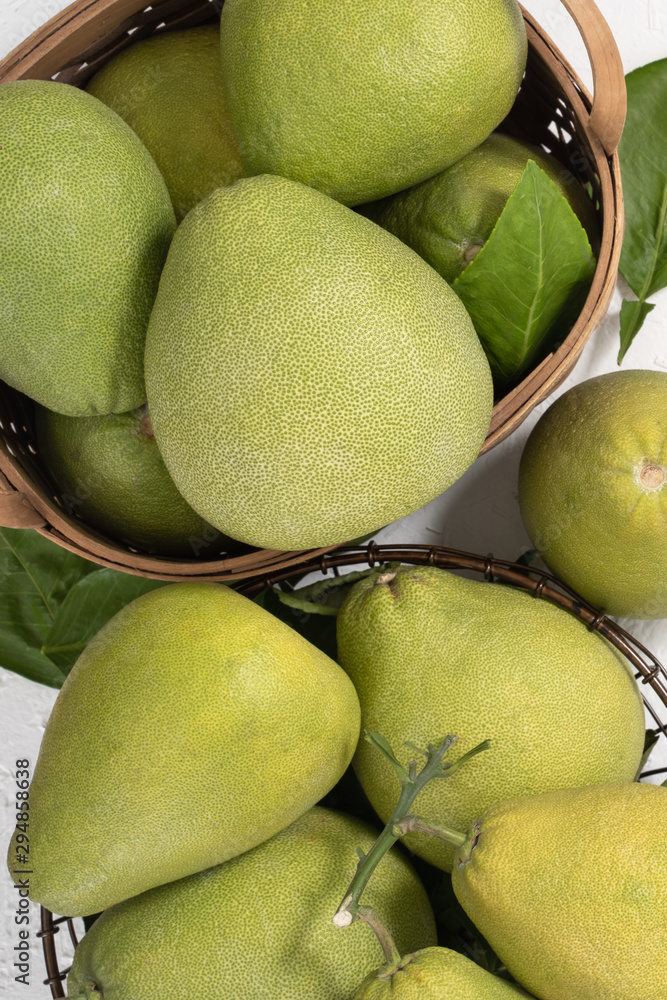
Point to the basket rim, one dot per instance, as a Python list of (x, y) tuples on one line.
[(38, 509), (542, 585)]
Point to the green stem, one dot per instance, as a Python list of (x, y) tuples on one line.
[(370, 916), (411, 785), (417, 824)]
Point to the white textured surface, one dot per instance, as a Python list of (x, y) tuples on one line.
[(479, 513)]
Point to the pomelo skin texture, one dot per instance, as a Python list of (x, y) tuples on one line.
[(193, 726), (448, 219), (85, 225), (361, 100), (431, 653), (436, 974), (570, 890), (169, 90), (309, 377), (592, 491), (256, 928), (109, 472)]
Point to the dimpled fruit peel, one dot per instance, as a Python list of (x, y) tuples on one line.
[(361, 99), (593, 493), (309, 377), (193, 726), (85, 225)]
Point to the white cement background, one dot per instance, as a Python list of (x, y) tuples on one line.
[(479, 513)]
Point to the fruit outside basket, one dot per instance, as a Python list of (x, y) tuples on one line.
[(553, 109), (647, 669)]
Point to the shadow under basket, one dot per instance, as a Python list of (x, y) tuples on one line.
[(647, 670), (553, 109)]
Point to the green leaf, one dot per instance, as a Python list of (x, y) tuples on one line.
[(89, 605), (643, 157), (633, 314), (35, 578), (528, 283)]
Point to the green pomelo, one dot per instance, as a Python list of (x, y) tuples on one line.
[(259, 926), (169, 91), (361, 100), (448, 219), (109, 472), (592, 491), (193, 726), (309, 377), (85, 225), (570, 890), (431, 653), (436, 974)]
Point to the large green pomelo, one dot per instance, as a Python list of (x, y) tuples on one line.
[(109, 472), (169, 90), (193, 726), (593, 495), (85, 225), (361, 99), (259, 927), (309, 377), (448, 218), (431, 653)]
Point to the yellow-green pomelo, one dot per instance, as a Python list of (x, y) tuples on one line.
[(448, 219), (431, 653), (593, 495), (193, 726), (109, 472), (85, 225), (361, 99), (309, 377), (570, 890), (259, 926), (436, 974), (169, 91)]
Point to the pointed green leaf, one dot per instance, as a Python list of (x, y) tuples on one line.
[(643, 157), (528, 283), (88, 606), (633, 314), (35, 577)]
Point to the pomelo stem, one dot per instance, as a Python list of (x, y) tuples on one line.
[(401, 821)]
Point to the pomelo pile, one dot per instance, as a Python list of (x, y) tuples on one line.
[(309, 378)]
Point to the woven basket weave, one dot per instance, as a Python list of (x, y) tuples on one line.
[(553, 109), (648, 671)]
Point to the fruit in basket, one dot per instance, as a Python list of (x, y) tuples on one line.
[(309, 377), (85, 225), (448, 218), (109, 472), (592, 491), (431, 653), (193, 726), (362, 100), (436, 974), (570, 889), (258, 926), (169, 91)]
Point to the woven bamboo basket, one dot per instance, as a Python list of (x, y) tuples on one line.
[(648, 670), (553, 109)]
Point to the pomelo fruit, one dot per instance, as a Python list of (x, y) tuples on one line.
[(364, 99), (169, 91), (448, 219), (109, 472), (436, 974), (309, 377), (593, 495), (432, 653), (259, 926), (85, 225), (193, 726)]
